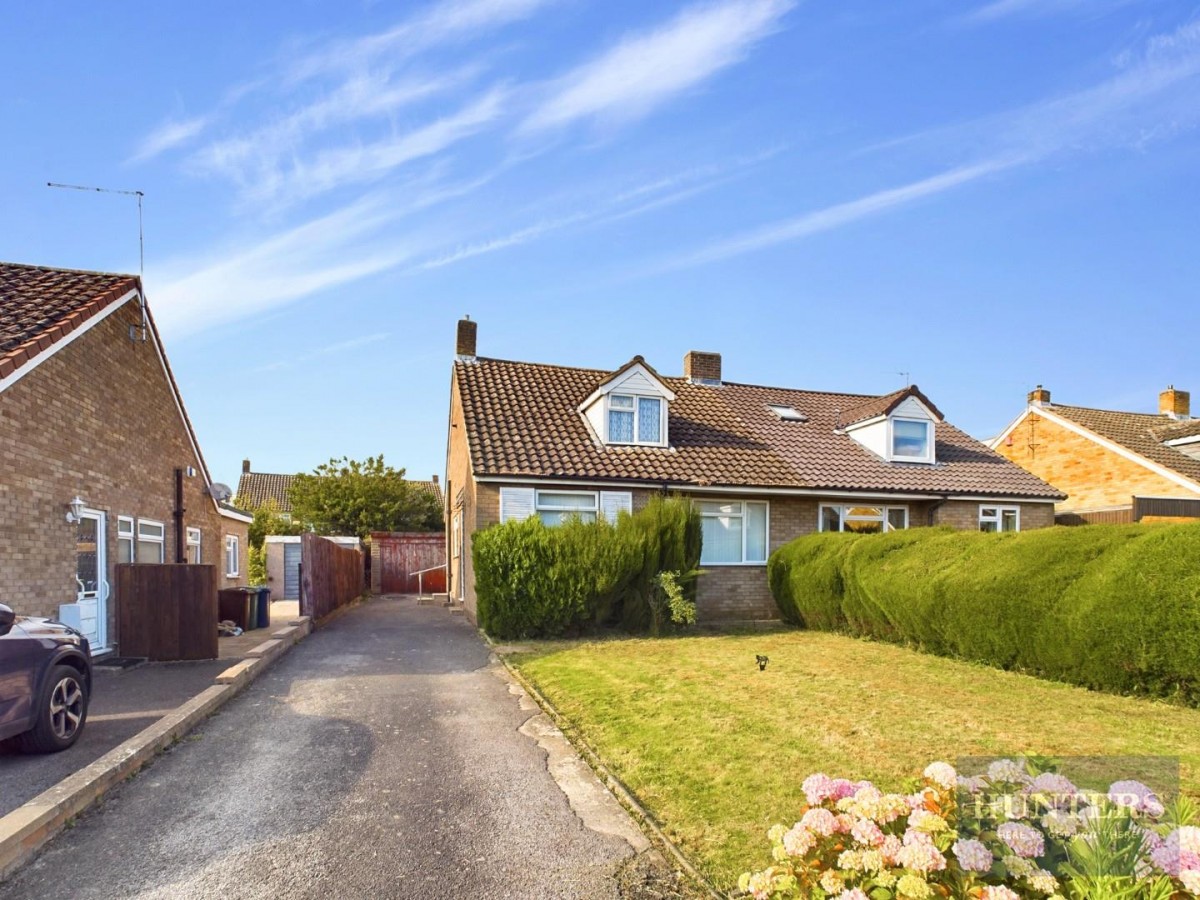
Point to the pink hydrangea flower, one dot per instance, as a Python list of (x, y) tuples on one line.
[(1136, 796), (920, 854), (972, 855), (818, 788), (867, 832), (942, 774), (852, 894), (1008, 770), (798, 841), (1180, 852), (1024, 840), (1191, 880), (999, 892), (1060, 787), (890, 848), (820, 821)]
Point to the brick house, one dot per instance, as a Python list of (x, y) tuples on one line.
[(764, 464), (1113, 466), (100, 463)]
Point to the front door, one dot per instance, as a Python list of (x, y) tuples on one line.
[(91, 581)]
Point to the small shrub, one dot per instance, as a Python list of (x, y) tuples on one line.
[(534, 581)]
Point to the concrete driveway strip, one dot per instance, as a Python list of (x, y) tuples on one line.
[(383, 757)]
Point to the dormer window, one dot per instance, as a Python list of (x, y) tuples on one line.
[(635, 420), (912, 440), (629, 407)]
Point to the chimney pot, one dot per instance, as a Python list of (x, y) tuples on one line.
[(435, 481), (1039, 396), (701, 367), (1174, 403), (465, 344), (245, 466)]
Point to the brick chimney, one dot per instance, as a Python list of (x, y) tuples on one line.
[(702, 368), (1039, 396), (464, 346), (1176, 404), (245, 466)]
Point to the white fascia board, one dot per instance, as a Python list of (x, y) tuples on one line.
[(589, 483), (1119, 450), (229, 514), (19, 373), (874, 420)]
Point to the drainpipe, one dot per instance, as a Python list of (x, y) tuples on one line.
[(180, 553), (935, 507)]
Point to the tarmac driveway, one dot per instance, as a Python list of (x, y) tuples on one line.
[(382, 757)]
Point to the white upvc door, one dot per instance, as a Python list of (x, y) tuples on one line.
[(91, 578)]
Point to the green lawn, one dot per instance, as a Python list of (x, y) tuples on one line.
[(716, 750)]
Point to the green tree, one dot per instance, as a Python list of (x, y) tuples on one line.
[(346, 496)]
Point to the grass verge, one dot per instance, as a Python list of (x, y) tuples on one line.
[(716, 749)]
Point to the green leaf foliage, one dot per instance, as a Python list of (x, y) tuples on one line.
[(349, 496), (535, 581), (1114, 608)]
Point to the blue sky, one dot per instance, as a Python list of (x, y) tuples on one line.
[(985, 194)]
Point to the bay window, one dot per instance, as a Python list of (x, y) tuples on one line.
[(735, 532)]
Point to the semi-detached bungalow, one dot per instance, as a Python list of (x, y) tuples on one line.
[(99, 464), (763, 464)]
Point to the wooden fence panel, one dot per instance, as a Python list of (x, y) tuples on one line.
[(330, 576), (1123, 516), (403, 554), (167, 612)]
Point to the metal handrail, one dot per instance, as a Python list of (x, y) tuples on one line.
[(420, 573)]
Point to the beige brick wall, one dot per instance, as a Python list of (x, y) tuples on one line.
[(1092, 476), (964, 514), (461, 492), (97, 420)]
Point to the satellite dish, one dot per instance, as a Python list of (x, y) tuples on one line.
[(220, 492)]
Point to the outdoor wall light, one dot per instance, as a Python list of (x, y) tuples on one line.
[(74, 510)]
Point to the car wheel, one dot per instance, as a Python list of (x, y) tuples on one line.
[(61, 713)]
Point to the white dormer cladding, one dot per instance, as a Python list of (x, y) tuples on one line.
[(906, 434), (630, 409)]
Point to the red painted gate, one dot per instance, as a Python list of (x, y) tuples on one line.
[(400, 556)]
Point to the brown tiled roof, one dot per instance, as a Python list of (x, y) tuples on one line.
[(1141, 433), (39, 306), (256, 488), (522, 419), (881, 406)]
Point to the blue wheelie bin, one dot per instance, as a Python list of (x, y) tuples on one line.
[(264, 607)]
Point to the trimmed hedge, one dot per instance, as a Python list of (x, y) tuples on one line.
[(534, 581), (1114, 608)]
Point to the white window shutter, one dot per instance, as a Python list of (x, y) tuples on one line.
[(515, 504), (613, 502)]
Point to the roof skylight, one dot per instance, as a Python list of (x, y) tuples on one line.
[(787, 413)]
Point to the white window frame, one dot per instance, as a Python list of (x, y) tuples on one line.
[(745, 519), (930, 441), (127, 532), (194, 539), (843, 518), (637, 413), (539, 507), (232, 545), (997, 516), (160, 539)]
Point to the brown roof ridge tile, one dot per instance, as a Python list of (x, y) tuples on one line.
[(65, 270)]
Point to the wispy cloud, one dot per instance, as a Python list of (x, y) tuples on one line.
[(444, 22), (167, 136), (192, 295), (333, 349), (645, 70), (835, 216), (1005, 9), (1157, 91), (267, 166)]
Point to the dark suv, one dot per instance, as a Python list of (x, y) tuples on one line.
[(45, 683)]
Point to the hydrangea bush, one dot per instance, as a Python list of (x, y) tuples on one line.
[(1009, 833)]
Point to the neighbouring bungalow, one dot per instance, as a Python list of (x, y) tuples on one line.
[(1114, 467), (99, 464), (763, 464)]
